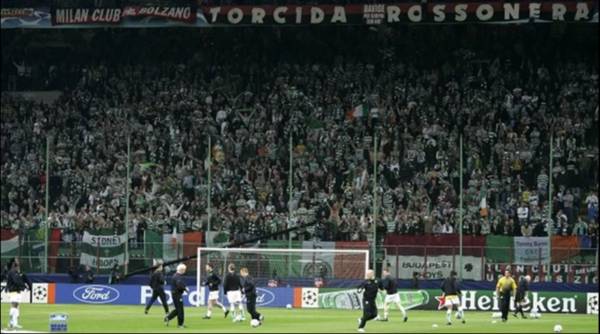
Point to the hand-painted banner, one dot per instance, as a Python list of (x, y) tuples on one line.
[(434, 267), (102, 249), (575, 273), (531, 250)]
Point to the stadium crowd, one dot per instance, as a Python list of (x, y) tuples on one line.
[(333, 98)]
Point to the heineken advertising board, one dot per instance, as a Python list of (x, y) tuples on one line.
[(472, 300)]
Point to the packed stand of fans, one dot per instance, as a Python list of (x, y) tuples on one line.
[(333, 95)]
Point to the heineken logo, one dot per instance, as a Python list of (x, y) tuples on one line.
[(485, 301)]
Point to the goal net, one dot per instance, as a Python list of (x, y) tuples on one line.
[(285, 266)]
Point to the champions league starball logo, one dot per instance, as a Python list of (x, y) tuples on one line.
[(592, 303), (40, 293), (309, 297)]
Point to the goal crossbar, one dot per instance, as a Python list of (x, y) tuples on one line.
[(201, 250)]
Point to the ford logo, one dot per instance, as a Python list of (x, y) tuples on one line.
[(96, 294), (264, 297)]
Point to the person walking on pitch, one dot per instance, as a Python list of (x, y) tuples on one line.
[(505, 288), (250, 293), (157, 281), (388, 283), (369, 289), (212, 282), (450, 294), (232, 287), (521, 296), (177, 290)]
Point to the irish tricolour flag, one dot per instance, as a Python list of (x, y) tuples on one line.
[(358, 111), (10, 243)]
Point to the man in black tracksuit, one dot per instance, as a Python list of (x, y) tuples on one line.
[(177, 289), (157, 280), (250, 291), (369, 288), (520, 296), (212, 283)]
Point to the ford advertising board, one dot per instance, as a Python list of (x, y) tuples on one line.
[(96, 294), (139, 295)]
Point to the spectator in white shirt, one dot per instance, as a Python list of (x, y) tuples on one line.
[(523, 213), (447, 228)]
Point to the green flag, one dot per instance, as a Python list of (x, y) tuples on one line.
[(153, 247), (499, 248)]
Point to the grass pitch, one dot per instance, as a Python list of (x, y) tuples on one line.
[(131, 319)]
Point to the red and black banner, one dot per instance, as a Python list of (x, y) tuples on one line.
[(131, 11), (175, 12)]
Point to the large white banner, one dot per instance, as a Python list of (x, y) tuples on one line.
[(103, 250), (318, 264), (531, 250), (436, 267)]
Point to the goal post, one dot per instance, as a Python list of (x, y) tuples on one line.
[(296, 265)]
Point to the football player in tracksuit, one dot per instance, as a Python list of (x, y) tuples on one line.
[(521, 295), (212, 282), (232, 287), (388, 283), (157, 280), (249, 289), (369, 288), (451, 294), (16, 282)]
